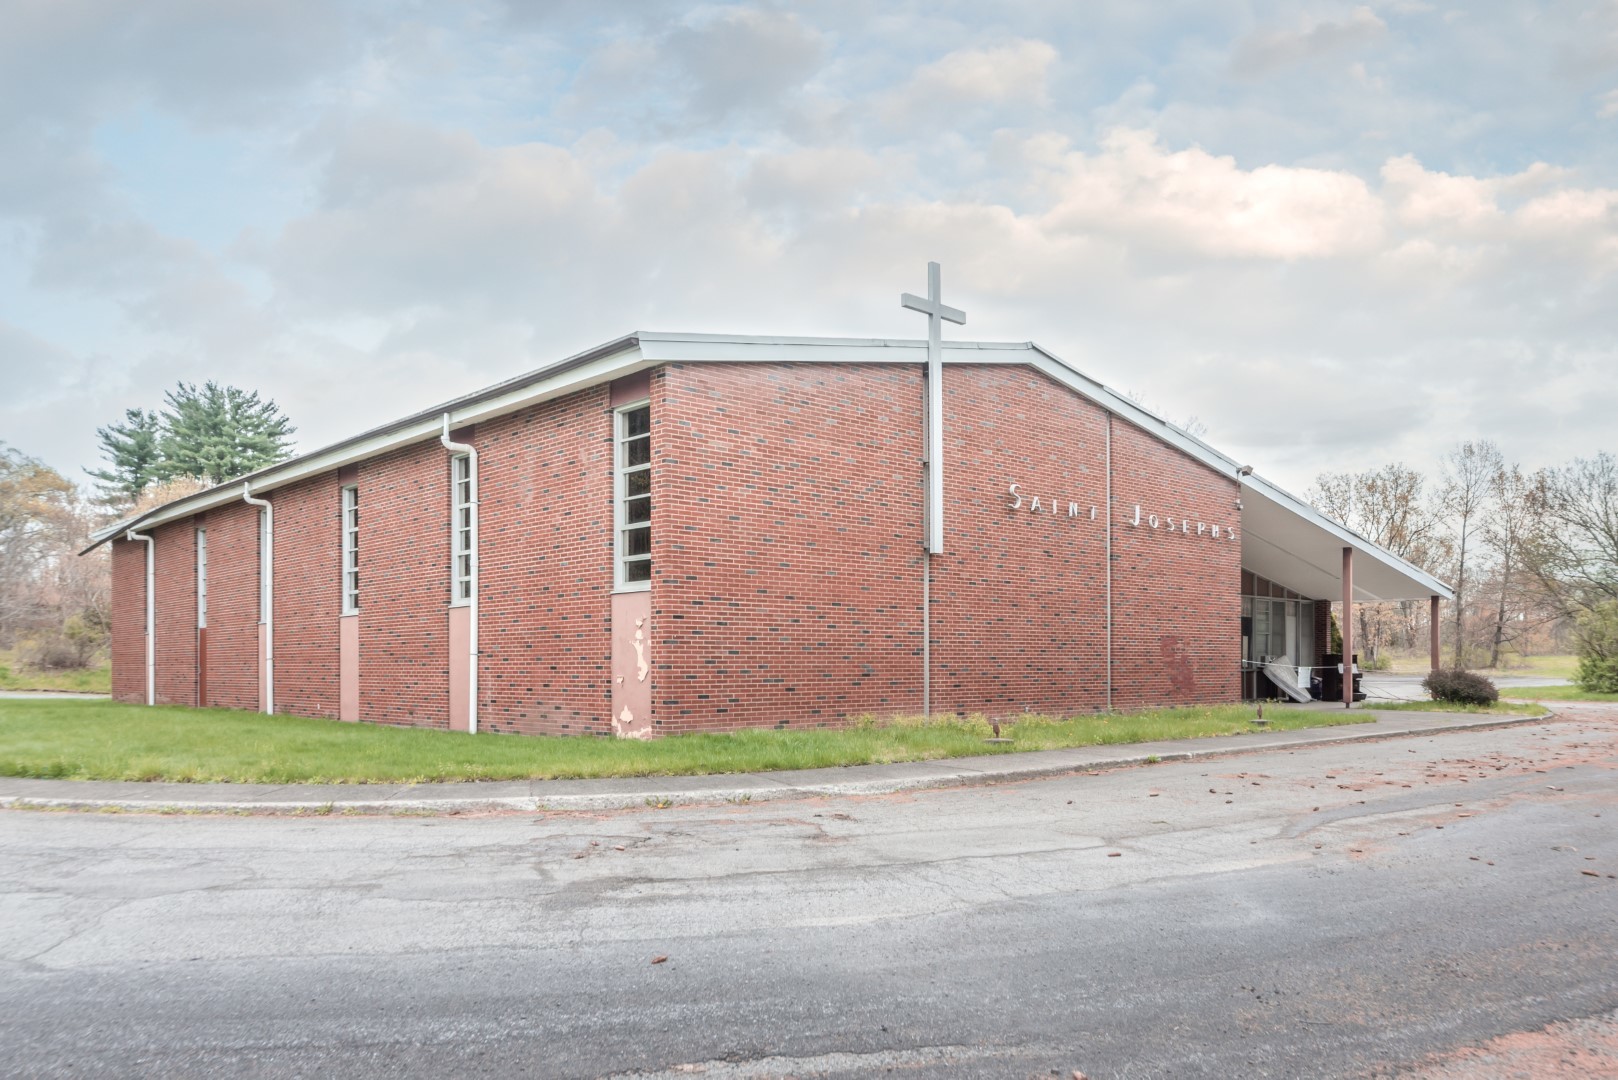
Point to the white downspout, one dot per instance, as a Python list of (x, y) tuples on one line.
[(268, 572), (1109, 562), (151, 615), (472, 614)]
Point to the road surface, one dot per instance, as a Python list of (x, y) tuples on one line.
[(1415, 904)]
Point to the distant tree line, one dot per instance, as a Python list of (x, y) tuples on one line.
[(1532, 556)]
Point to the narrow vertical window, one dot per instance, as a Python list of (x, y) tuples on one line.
[(202, 578), (634, 510), (461, 526), (351, 550)]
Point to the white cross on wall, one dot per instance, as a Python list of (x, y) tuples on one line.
[(936, 311)]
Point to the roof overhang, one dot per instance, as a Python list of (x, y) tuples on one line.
[(1283, 538), (1292, 544)]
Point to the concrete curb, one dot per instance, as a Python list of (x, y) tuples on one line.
[(661, 792)]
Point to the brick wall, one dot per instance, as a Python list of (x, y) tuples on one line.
[(404, 560), (308, 556), (787, 537), (129, 620), (233, 598), (1176, 601), (1019, 613), (176, 614), (1322, 628), (786, 544), (546, 549), (787, 558)]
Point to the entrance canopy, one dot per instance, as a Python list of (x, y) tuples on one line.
[(1289, 542)]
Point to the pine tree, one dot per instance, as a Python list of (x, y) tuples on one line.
[(133, 451), (218, 433)]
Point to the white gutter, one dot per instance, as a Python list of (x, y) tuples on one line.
[(576, 373), (151, 615), (472, 615), (267, 616)]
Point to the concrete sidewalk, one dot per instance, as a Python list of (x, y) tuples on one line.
[(658, 791)]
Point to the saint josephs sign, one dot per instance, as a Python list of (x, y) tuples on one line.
[(1137, 518)]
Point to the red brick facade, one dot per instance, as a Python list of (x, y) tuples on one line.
[(404, 560), (787, 562), (129, 620), (786, 544), (308, 555), (233, 598)]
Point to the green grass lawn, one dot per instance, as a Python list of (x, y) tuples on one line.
[(1561, 666), (1503, 708), (104, 740), (16, 675), (1556, 693)]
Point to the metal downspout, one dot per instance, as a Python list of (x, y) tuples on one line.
[(151, 614), (472, 615), (1109, 562), (268, 614)]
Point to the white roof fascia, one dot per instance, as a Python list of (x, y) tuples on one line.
[(1255, 485), (1252, 484), (469, 409), (727, 348)]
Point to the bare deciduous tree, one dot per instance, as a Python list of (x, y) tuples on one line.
[(36, 512), (1573, 550), (1386, 506), (1505, 528), (1469, 470)]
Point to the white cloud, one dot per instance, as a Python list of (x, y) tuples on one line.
[(1193, 201), (1422, 198), (1010, 74), (1266, 51)]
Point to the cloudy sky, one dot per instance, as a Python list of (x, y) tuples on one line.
[(1338, 234)]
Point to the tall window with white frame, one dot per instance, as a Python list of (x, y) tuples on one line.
[(461, 537), (202, 579), (351, 550), (634, 510)]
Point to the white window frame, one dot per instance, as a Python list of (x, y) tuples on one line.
[(462, 508), (202, 579), (351, 549), (620, 510)]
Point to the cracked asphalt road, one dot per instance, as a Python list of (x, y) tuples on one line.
[(1361, 910)]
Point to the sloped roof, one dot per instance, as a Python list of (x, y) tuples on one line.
[(1283, 538)]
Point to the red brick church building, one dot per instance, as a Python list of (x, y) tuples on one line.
[(686, 532)]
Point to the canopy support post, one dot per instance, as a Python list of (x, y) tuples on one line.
[(1432, 630), (1348, 628)]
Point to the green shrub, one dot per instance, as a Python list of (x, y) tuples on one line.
[(1460, 687), (1597, 674), (1598, 649)]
